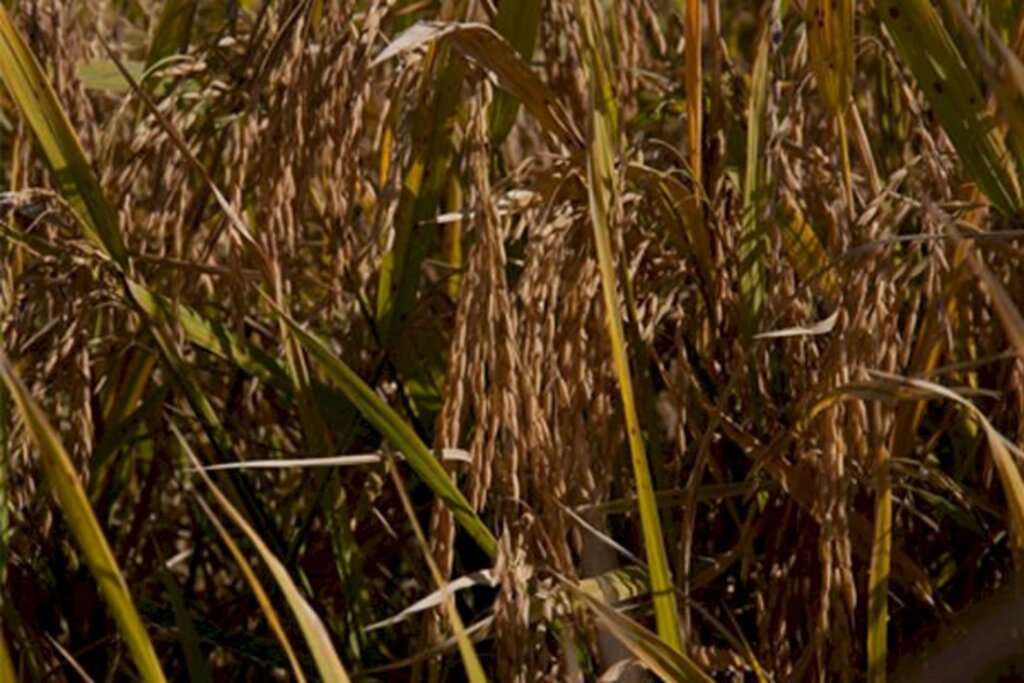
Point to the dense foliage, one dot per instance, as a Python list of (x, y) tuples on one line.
[(478, 339)]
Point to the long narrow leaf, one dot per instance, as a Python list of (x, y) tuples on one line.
[(84, 526), (38, 103), (1009, 315), (693, 25), (399, 434), (327, 661), (213, 337), (601, 189), (470, 659), (830, 36), (172, 30), (753, 237), (485, 46), (256, 586), (653, 652), (806, 251), (1006, 464)]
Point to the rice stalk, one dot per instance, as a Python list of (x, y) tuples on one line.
[(272, 617), (878, 577), (694, 87), (752, 243)]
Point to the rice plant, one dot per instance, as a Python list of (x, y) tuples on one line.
[(583, 340)]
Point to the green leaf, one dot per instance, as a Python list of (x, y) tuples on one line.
[(213, 337), (84, 527), (601, 188), (399, 434), (319, 641), (518, 23), (31, 91), (653, 652), (172, 30), (952, 91)]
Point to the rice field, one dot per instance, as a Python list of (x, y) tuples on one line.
[(512, 340)]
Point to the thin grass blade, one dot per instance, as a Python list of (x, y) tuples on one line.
[(830, 38), (256, 586), (84, 526), (31, 91), (447, 455), (485, 46), (601, 184), (470, 660), (1009, 314), (327, 661), (654, 653), (484, 577), (753, 238), (399, 435)]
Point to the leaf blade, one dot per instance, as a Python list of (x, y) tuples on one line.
[(326, 657), (84, 526), (953, 93), (400, 435), (37, 101)]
